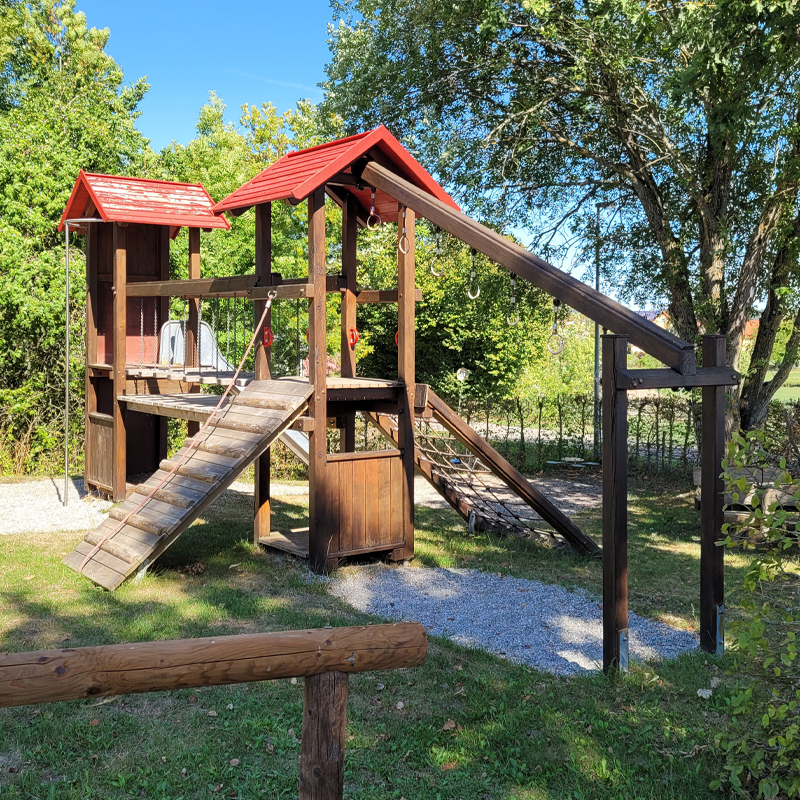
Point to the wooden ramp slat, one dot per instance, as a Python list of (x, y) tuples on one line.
[(293, 541), (221, 456)]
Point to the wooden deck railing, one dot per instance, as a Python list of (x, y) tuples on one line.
[(324, 657)]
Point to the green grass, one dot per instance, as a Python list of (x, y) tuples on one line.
[(521, 733), (790, 391)]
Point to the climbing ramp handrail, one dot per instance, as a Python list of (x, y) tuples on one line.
[(661, 344)]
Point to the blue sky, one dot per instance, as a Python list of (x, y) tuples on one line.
[(246, 51)]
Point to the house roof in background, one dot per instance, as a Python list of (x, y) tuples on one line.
[(298, 174), (141, 200)]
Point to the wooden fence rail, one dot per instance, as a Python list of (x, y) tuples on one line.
[(322, 656)]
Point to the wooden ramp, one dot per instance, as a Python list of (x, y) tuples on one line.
[(238, 434)]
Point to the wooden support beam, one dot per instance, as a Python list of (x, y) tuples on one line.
[(193, 288), (162, 304), (318, 541), (287, 291), (262, 522), (348, 321), (615, 507), (90, 385), (635, 379), (120, 455), (324, 729), (383, 296), (661, 344), (406, 370), (193, 321), (83, 672), (712, 497)]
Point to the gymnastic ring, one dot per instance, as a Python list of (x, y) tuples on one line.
[(397, 339), (353, 337), (269, 338), (477, 293), (373, 221), (434, 272), (404, 249), (513, 321), (555, 345)]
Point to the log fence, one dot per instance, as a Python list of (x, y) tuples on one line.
[(323, 656)]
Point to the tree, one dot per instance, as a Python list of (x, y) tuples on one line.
[(685, 115), (63, 106)]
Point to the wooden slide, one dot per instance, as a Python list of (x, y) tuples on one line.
[(239, 433)]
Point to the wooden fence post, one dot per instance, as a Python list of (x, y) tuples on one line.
[(615, 506), (322, 748), (712, 499)]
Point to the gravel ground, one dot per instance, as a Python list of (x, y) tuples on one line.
[(544, 626), (37, 507)]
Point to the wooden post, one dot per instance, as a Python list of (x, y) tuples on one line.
[(615, 506), (192, 356), (162, 316), (119, 478), (349, 270), (405, 371), (323, 743), (318, 404), (262, 521), (712, 498), (90, 388)]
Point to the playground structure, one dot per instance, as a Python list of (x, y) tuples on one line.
[(324, 657), (360, 501)]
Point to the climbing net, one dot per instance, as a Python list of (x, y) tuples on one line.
[(494, 505)]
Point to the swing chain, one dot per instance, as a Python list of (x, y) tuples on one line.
[(438, 257), (513, 312), (373, 220), (473, 280), (404, 245), (555, 344), (141, 331), (155, 332)]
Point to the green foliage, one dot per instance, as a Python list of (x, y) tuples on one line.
[(767, 755), (63, 107)]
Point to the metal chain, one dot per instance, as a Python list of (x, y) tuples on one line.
[(228, 329), (197, 361), (141, 331), (473, 280), (513, 312), (234, 327), (155, 332)]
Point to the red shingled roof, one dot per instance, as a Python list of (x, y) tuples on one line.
[(121, 199), (299, 173)]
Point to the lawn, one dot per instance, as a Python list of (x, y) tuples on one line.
[(520, 733), (790, 391)]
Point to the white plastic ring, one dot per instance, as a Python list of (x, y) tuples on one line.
[(555, 345), (404, 245), (477, 293), (434, 272), (373, 221), (512, 321)]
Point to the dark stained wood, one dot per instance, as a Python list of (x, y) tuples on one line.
[(54, 675), (318, 541), (324, 729), (192, 322), (348, 311), (661, 344), (615, 505), (383, 296), (633, 379), (512, 477), (90, 389), (712, 556), (364, 455), (214, 287), (118, 482), (263, 254), (406, 369)]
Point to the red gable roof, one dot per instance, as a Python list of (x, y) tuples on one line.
[(120, 199), (299, 173)]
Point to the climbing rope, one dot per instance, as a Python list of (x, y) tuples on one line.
[(192, 442)]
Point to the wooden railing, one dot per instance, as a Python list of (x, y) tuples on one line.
[(324, 657)]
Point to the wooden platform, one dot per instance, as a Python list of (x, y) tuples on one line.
[(194, 407), (207, 376), (238, 434), (294, 541)]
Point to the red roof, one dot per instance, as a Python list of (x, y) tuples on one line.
[(120, 199), (299, 173)]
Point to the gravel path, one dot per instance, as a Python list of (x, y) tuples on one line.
[(37, 507), (543, 626)]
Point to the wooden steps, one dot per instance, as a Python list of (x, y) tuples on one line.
[(215, 459)]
